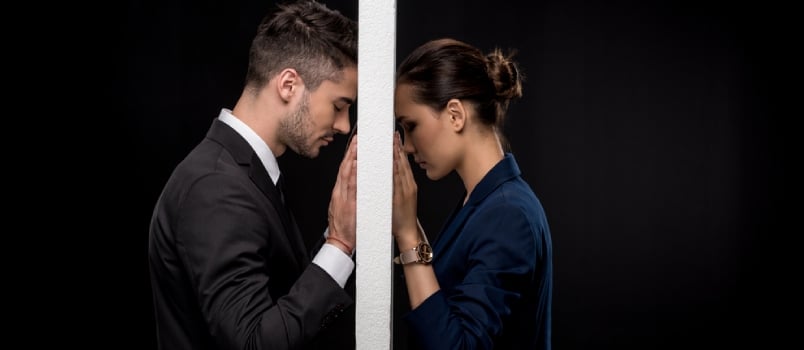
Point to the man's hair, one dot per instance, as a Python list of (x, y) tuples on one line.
[(316, 41)]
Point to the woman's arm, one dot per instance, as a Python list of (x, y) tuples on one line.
[(420, 277)]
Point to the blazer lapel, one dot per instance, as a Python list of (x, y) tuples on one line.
[(245, 156), (503, 171), (454, 225), (261, 178)]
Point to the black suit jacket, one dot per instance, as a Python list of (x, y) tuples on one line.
[(229, 269)]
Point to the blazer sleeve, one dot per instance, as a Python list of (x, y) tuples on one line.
[(497, 249), (224, 239)]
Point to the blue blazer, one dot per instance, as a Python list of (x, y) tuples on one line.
[(493, 261)]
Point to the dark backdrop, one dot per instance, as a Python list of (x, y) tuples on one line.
[(648, 129)]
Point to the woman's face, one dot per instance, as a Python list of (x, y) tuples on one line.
[(426, 133)]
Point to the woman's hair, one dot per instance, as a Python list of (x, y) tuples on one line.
[(444, 69), (316, 41)]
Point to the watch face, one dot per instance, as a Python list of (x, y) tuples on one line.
[(425, 252)]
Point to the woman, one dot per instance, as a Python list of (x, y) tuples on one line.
[(486, 282)]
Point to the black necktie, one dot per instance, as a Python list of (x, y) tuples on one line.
[(292, 230), (280, 185)]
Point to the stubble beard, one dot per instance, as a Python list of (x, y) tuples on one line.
[(296, 129)]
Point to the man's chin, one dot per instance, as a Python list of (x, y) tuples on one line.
[(313, 154), (310, 153)]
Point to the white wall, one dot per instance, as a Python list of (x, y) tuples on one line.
[(376, 66)]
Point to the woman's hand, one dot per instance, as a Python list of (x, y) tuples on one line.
[(404, 221)]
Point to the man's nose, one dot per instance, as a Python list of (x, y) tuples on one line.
[(342, 124)]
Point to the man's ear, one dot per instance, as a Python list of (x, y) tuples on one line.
[(456, 112), (287, 84)]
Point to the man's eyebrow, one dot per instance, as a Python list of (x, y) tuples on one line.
[(347, 100)]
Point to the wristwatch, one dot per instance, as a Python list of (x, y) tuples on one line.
[(422, 253)]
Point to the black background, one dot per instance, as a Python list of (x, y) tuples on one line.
[(649, 129)]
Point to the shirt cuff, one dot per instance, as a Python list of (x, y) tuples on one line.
[(335, 262)]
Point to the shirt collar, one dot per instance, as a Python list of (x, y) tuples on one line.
[(255, 141)]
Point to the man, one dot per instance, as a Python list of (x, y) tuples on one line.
[(229, 269)]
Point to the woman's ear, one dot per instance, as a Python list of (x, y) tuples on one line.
[(456, 112), (287, 84)]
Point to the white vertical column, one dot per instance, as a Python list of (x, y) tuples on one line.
[(376, 67)]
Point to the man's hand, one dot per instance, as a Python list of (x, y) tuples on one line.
[(342, 213)]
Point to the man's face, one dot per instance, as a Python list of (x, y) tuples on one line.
[(320, 114)]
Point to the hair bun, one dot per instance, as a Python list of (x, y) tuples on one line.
[(505, 74)]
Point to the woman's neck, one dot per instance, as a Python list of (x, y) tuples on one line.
[(481, 155)]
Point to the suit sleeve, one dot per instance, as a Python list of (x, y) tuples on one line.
[(227, 239), (499, 248)]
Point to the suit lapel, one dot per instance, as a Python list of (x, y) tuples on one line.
[(454, 225), (261, 178), (505, 170), (245, 156)]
